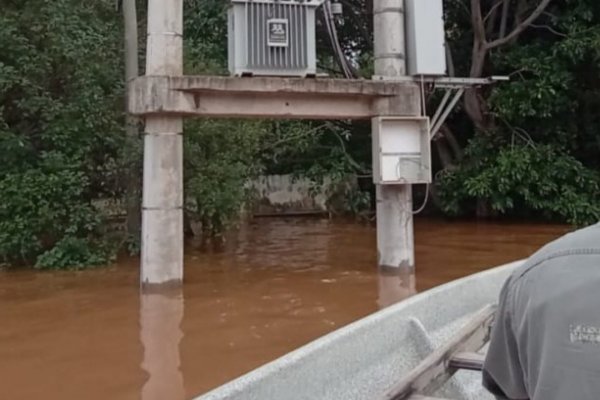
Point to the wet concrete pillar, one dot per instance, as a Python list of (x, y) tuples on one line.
[(161, 315), (395, 285), (395, 237), (162, 208)]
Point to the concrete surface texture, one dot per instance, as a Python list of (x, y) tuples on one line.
[(295, 98), (282, 193), (364, 359)]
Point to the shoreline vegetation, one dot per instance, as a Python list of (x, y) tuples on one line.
[(527, 149)]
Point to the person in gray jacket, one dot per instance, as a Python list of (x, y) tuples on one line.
[(545, 342)]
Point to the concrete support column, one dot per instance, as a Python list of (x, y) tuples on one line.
[(160, 334), (395, 237), (389, 45), (395, 232), (162, 212)]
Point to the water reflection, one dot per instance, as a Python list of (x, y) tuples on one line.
[(395, 285), (160, 333)]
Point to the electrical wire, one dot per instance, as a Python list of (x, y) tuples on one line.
[(332, 33), (334, 38), (423, 102), (425, 201)]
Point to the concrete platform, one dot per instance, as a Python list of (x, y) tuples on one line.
[(290, 98), (364, 359)]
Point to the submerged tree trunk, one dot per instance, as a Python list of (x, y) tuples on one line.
[(133, 183)]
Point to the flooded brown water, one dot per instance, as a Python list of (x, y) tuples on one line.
[(281, 283)]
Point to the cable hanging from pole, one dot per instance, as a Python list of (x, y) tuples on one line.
[(335, 42), (425, 201)]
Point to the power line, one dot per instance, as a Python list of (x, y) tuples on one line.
[(334, 38)]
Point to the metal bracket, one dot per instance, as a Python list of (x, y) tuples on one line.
[(445, 82), (443, 111), (450, 84), (313, 3)]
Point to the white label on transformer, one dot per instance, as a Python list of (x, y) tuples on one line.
[(278, 32)]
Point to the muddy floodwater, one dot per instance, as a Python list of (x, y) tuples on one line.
[(280, 284)]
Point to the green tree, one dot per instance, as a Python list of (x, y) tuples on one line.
[(537, 144), (60, 133)]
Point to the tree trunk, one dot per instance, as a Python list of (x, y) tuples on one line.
[(521, 8), (492, 22), (444, 154), (132, 124), (473, 105), (457, 151), (504, 20)]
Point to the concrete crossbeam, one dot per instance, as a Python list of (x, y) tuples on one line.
[(289, 98)]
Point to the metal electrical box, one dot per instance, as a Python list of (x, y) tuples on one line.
[(425, 37), (272, 37), (401, 150)]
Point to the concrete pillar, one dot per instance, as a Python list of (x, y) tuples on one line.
[(395, 285), (395, 234), (160, 333), (162, 208), (395, 237)]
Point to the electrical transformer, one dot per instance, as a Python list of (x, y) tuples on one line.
[(272, 37)]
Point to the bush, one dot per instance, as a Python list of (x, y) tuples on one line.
[(524, 179), (61, 118), (220, 158), (76, 253), (42, 216)]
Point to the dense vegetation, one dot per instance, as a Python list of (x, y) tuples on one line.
[(61, 97), (535, 144), (528, 148)]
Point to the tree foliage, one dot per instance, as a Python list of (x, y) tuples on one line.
[(526, 181), (60, 131), (529, 147), (538, 151), (220, 158)]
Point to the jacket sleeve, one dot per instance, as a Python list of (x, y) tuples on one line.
[(502, 371)]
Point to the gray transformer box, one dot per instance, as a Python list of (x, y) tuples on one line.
[(272, 37)]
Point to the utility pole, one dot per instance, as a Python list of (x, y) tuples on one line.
[(162, 207), (395, 237)]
